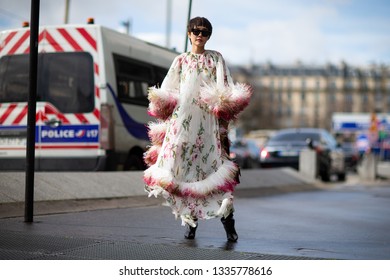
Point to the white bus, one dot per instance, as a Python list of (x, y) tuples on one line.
[(92, 97)]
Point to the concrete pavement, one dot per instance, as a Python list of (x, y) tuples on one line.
[(60, 186), (57, 192), (54, 186)]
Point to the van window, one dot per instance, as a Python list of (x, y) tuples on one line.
[(66, 80), (133, 79), (14, 75)]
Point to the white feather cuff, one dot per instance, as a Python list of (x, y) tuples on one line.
[(162, 102), (226, 102)]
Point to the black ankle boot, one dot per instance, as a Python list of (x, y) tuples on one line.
[(228, 224), (190, 232)]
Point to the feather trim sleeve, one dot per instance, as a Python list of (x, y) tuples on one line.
[(226, 102), (163, 100), (223, 98), (156, 132)]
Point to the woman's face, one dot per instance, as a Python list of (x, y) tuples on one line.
[(199, 40)]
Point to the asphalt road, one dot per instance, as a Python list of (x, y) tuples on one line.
[(342, 223), (337, 222)]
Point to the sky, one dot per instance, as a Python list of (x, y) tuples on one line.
[(246, 32)]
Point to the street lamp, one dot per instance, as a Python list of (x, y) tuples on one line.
[(188, 20)]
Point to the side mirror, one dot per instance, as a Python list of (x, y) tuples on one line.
[(310, 143)]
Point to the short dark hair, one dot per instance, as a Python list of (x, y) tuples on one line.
[(200, 21)]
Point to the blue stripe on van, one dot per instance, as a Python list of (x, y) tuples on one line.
[(60, 134), (138, 130), (69, 134)]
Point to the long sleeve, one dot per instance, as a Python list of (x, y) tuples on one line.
[(224, 98), (163, 100), (172, 79), (223, 74)]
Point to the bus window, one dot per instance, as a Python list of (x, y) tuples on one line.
[(160, 75), (133, 79), (64, 79)]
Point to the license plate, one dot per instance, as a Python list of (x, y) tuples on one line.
[(288, 153), (13, 142)]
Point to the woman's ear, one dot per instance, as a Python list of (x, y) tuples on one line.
[(189, 36)]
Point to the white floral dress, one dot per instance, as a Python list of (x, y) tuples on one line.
[(188, 165)]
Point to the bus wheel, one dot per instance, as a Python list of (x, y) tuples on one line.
[(134, 162)]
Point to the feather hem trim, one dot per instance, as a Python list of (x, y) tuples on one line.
[(162, 102), (223, 180), (151, 155), (157, 132)]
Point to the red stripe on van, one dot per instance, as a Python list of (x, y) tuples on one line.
[(49, 109), (81, 118), (63, 119), (68, 147), (96, 68), (54, 147), (52, 41), (87, 37), (7, 39), (97, 92), (96, 112), (7, 113), (40, 38), (70, 40), (39, 116), (21, 115), (20, 42)]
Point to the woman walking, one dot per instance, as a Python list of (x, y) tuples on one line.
[(189, 161)]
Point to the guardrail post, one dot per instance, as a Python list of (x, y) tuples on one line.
[(367, 169), (308, 163)]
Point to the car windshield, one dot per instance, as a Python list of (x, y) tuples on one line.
[(295, 136), (64, 79)]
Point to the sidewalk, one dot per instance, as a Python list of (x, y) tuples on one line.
[(69, 191)]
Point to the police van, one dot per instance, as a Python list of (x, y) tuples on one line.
[(91, 98)]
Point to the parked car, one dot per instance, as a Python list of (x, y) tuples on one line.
[(283, 149), (351, 155), (245, 153)]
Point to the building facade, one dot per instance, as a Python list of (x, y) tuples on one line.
[(306, 96)]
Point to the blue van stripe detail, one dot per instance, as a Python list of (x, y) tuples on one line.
[(138, 130)]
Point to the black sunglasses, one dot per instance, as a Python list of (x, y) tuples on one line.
[(205, 33)]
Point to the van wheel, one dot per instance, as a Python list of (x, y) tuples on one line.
[(325, 176), (134, 162), (341, 176)]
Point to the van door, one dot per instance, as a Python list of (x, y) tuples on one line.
[(68, 99), (68, 126), (13, 111)]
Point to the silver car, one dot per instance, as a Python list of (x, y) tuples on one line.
[(283, 149)]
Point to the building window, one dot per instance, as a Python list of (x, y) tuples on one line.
[(280, 99)]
